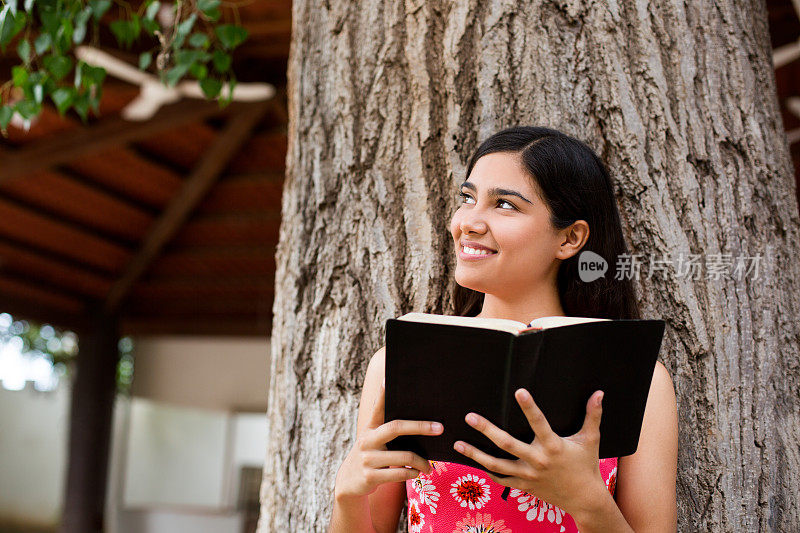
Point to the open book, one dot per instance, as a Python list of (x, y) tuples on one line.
[(440, 368), (500, 324)]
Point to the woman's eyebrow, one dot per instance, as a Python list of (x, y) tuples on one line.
[(495, 191)]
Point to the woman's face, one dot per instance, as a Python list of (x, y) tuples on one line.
[(502, 211)]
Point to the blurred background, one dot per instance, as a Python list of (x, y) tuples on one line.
[(136, 285), (137, 264)]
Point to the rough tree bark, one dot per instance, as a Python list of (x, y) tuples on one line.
[(387, 100)]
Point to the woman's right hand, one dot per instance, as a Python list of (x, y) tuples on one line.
[(370, 464)]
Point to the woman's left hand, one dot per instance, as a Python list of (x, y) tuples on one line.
[(563, 471)]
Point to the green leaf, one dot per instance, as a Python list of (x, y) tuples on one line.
[(19, 75), (99, 7), (42, 43), (176, 73), (38, 93), (6, 112), (58, 66), (222, 61), (24, 50), (136, 26), (188, 57), (183, 30), (227, 100), (81, 20), (230, 35), (51, 20), (27, 108), (210, 8), (63, 40), (92, 75), (10, 25), (50, 85), (36, 77), (151, 26), (207, 5), (63, 98), (145, 58), (95, 97), (198, 40), (12, 5), (122, 31), (81, 105), (126, 31), (211, 87), (199, 71), (79, 74), (152, 10), (213, 14)]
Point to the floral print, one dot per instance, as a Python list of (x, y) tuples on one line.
[(439, 467), (415, 518), (611, 482), (427, 492), (471, 490), (536, 509), (480, 523), (473, 503)]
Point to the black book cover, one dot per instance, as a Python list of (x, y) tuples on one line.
[(440, 372)]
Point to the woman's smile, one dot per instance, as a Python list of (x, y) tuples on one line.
[(470, 251)]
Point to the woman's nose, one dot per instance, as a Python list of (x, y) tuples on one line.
[(473, 223)]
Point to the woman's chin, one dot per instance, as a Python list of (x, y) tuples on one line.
[(470, 282)]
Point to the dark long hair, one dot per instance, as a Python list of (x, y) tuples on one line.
[(575, 185)]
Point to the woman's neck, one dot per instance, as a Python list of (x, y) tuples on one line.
[(546, 303)]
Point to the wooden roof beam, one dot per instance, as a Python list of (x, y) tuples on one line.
[(49, 270), (244, 325), (207, 171), (106, 133)]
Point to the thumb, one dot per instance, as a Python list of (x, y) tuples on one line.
[(594, 412)]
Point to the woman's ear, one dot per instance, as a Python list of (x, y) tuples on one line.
[(573, 238)]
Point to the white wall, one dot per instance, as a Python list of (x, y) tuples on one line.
[(210, 372), (177, 469), (33, 449), (176, 456)]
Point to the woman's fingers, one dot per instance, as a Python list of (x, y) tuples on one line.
[(594, 413), (388, 431), (382, 459), (541, 427), (502, 439), (501, 466), (388, 475)]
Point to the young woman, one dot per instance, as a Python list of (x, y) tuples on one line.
[(534, 198)]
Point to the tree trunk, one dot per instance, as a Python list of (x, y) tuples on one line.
[(387, 101)]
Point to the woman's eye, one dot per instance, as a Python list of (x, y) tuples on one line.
[(465, 197)]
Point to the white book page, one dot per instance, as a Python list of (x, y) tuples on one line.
[(500, 324), (556, 321)]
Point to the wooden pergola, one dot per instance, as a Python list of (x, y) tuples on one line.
[(167, 226)]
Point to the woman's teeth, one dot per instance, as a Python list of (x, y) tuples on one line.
[(475, 251)]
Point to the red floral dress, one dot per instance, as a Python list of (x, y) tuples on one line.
[(456, 498)]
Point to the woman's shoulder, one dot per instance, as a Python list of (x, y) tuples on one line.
[(377, 363), (662, 380)]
